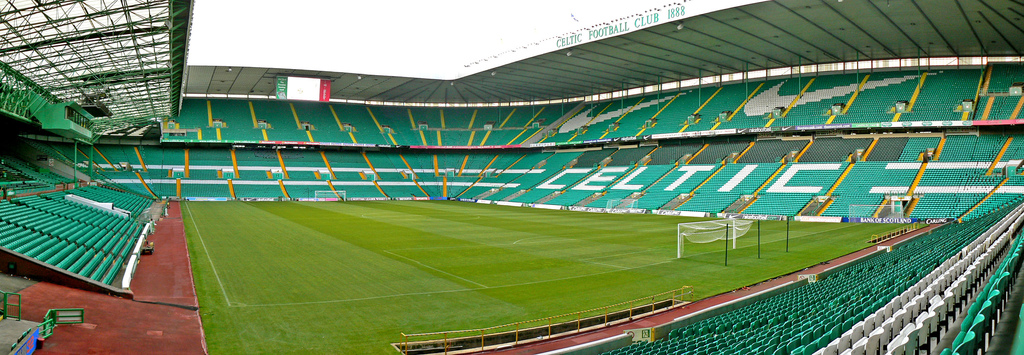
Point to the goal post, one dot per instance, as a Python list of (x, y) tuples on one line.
[(710, 231), (329, 195)]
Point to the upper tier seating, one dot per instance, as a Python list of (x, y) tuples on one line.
[(1004, 75), (941, 93), (361, 124)]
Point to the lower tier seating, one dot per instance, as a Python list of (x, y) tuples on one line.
[(813, 316), (69, 235)]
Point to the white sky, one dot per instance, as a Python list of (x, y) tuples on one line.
[(420, 39)]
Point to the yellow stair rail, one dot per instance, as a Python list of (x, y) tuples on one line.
[(463, 167), (368, 163), (871, 147), (990, 193), (488, 165), (798, 96), (283, 168), (840, 179), (234, 164), (437, 171), (999, 157), (770, 179), (917, 179), (852, 98), (141, 162), (744, 152), (415, 179), (913, 98), (186, 163), (981, 80), (144, 184), (283, 190), (631, 108), (701, 108), (938, 149), (379, 189), (835, 186), (802, 151), (697, 153), (104, 158), (328, 164), (1016, 110), (231, 188), (740, 107), (988, 108), (658, 113), (708, 179), (910, 206)]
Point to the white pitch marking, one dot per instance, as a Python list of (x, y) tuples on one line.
[(207, 251), (439, 270)]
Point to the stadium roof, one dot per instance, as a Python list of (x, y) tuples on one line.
[(127, 55), (762, 35)]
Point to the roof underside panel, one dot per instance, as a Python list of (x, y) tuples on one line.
[(770, 34), (125, 54)]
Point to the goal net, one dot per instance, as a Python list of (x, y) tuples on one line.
[(889, 210), (621, 203), (329, 195), (710, 231)]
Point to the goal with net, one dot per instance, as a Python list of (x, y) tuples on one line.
[(329, 195), (627, 203), (894, 209), (710, 231)]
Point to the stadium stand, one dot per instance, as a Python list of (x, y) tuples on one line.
[(915, 146), (833, 149), (941, 94), (962, 182), (716, 152), (79, 238), (887, 149), (670, 154), (1004, 75), (771, 150), (870, 96)]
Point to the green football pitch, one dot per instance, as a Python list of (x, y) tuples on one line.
[(332, 277)]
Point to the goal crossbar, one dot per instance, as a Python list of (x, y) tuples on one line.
[(329, 195), (710, 231)]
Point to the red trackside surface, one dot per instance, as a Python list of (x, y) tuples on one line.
[(120, 326)]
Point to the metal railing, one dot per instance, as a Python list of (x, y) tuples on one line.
[(878, 238), (59, 316), (542, 328)]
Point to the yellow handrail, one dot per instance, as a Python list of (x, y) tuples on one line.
[(446, 337)]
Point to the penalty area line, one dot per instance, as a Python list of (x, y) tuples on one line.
[(439, 270), (208, 257)]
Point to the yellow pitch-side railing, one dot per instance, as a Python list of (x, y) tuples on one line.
[(878, 238), (457, 341)]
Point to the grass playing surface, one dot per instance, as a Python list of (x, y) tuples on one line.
[(330, 277)]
